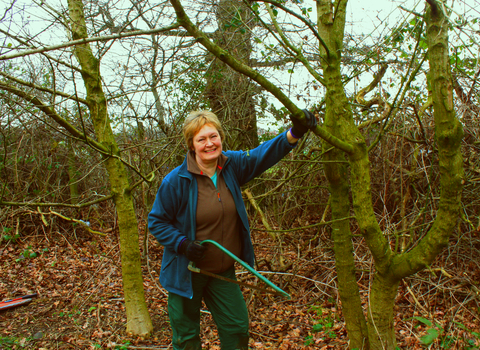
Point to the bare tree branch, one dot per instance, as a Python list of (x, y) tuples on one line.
[(44, 89), (8, 9), (301, 18), (89, 40), (53, 114)]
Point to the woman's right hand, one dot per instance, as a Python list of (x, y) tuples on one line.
[(193, 250), (299, 128)]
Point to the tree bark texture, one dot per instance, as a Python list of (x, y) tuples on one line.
[(448, 137), (389, 268), (381, 331), (339, 122), (337, 175), (230, 93), (138, 318)]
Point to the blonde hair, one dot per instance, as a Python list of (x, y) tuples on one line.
[(197, 120)]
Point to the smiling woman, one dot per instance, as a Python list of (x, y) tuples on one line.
[(202, 200)]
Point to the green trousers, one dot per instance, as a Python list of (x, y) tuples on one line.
[(226, 304)]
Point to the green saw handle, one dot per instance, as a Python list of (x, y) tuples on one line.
[(245, 265)]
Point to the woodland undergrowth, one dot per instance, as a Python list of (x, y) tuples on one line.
[(80, 301), (70, 256)]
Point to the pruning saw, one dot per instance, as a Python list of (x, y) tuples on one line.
[(276, 290), (7, 304)]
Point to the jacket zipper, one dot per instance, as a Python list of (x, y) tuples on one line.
[(223, 228)]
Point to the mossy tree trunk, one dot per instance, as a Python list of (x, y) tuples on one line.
[(338, 178), (339, 122), (448, 137), (389, 267), (138, 318)]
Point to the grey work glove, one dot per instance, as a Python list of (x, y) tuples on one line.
[(298, 129), (193, 250)]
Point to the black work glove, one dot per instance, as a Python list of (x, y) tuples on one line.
[(299, 129), (193, 250)]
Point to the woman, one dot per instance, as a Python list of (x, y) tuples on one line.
[(201, 199)]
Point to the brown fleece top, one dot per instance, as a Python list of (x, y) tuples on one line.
[(217, 218)]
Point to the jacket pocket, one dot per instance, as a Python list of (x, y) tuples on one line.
[(168, 261)]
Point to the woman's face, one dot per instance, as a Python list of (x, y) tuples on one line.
[(207, 144)]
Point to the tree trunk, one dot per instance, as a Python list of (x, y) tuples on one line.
[(339, 122), (337, 175), (381, 332), (138, 318), (390, 268), (231, 93)]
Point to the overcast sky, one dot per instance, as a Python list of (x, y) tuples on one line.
[(371, 18)]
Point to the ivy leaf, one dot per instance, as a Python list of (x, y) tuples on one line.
[(423, 320), (430, 337)]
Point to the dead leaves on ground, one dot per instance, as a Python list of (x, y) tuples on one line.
[(80, 303)]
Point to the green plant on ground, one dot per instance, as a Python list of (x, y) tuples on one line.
[(435, 332), (28, 253), (324, 321), (473, 343), (124, 346), (8, 343), (9, 237)]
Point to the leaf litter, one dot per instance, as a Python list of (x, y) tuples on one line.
[(80, 302)]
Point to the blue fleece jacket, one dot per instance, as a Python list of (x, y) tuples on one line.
[(173, 216)]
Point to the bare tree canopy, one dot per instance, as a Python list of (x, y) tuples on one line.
[(94, 94)]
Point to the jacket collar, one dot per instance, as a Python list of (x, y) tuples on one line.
[(190, 167)]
